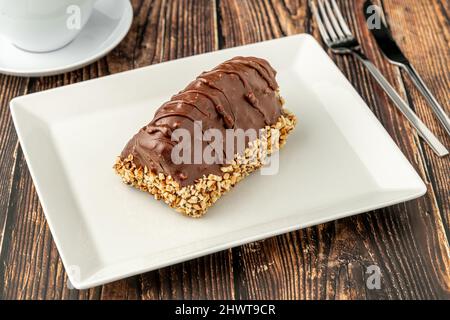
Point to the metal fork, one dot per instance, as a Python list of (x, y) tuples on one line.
[(338, 37)]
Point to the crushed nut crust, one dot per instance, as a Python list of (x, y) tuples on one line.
[(194, 200)]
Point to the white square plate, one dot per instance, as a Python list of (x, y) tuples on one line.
[(338, 162)]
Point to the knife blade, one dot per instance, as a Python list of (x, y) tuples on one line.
[(394, 54), (382, 34)]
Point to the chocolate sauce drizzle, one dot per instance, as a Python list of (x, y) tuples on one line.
[(238, 94)]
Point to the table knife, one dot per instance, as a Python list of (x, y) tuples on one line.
[(394, 54)]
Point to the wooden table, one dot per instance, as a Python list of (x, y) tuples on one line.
[(409, 242)]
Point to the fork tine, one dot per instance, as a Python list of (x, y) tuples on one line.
[(327, 22), (341, 20), (334, 22), (323, 32)]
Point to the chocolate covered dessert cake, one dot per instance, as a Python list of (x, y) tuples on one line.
[(175, 158)]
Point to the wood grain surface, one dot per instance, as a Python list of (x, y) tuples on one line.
[(409, 242)]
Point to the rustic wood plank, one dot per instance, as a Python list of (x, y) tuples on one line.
[(9, 88), (419, 223), (335, 266), (408, 241), (127, 289), (425, 39)]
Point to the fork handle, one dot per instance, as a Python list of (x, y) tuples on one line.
[(421, 128), (420, 84)]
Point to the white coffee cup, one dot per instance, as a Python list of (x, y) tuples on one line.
[(43, 25)]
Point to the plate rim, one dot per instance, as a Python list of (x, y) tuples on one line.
[(95, 280)]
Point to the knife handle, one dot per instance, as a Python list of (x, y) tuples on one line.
[(415, 121), (437, 108)]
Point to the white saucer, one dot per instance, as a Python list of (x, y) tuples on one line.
[(107, 26)]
